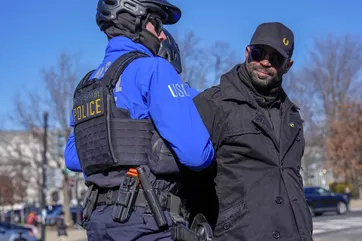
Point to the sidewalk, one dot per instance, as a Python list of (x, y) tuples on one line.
[(355, 205), (73, 235)]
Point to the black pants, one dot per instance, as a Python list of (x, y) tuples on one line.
[(140, 226)]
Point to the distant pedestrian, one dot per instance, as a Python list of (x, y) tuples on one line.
[(32, 219), (347, 191), (62, 228)]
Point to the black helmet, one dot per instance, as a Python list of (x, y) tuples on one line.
[(170, 51), (108, 10)]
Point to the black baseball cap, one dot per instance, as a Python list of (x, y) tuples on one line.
[(275, 35)]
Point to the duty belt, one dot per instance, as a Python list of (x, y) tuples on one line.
[(136, 190), (168, 201)]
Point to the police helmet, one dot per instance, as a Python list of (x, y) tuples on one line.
[(108, 10), (170, 51)]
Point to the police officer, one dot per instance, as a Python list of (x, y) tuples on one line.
[(132, 150), (169, 50)]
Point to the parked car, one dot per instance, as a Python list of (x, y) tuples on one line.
[(54, 214), (321, 200), (10, 231)]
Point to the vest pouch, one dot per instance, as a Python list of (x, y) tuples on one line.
[(90, 131), (130, 140), (162, 160)]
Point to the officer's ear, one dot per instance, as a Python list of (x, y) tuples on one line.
[(288, 66)]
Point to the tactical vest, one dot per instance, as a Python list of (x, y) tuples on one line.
[(106, 137)]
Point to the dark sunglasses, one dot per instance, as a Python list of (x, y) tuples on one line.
[(258, 54), (157, 23)]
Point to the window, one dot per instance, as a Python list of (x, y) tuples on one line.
[(323, 192), (311, 190)]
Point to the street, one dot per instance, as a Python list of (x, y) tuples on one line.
[(329, 227), (333, 227)]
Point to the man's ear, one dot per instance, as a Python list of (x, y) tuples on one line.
[(290, 64), (247, 52)]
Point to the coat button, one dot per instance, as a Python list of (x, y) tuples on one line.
[(298, 171), (276, 235), (226, 226), (278, 199), (298, 138)]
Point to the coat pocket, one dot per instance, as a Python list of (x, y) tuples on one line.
[(230, 221)]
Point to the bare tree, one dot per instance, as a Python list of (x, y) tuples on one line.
[(344, 144), (192, 56), (17, 160), (6, 190), (222, 58), (322, 85), (59, 83), (202, 65), (332, 73)]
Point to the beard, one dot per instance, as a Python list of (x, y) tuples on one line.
[(267, 81)]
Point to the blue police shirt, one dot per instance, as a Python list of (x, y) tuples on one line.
[(151, 88)]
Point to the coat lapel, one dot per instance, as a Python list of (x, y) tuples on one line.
[(263, 124), (291, 126)]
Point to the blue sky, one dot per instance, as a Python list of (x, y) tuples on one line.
[(34, 33)]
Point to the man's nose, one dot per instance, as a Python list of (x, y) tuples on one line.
[(265, 62)]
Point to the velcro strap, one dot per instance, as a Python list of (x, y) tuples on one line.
[(109, 198), (167, 200)]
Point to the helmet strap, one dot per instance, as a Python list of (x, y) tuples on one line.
[(137, 29)]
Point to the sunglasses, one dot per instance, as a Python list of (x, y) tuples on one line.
[(258, 54), (157, 24)]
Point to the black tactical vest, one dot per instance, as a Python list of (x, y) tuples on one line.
[(106, 137)]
